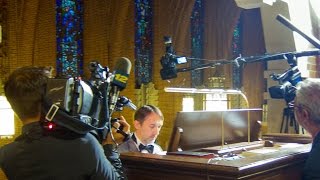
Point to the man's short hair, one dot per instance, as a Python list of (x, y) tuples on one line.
[(145, 110), (25, 88), (307, 94)]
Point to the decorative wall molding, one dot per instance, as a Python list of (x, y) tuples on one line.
[(147, 94)]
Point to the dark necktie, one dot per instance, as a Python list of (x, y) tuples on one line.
[(149, 148)]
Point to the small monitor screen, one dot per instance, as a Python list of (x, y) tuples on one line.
[(181, 60)]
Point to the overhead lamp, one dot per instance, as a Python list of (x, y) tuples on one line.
[(202, 91), (207, 91)]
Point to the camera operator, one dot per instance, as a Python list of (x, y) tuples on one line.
[(307, 113), (41, 153)]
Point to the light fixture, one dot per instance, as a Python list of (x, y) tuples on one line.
[(202, 91), (207, 91)]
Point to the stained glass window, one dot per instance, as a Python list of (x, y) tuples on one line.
[(143, 41), (69, 24), (237, 50), (197, 41)]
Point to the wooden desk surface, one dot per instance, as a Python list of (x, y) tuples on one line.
[(280, 162)]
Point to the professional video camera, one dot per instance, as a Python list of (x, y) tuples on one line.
[(287, 81), (287, 84), (287, 90), (169, 61), (83, 106)]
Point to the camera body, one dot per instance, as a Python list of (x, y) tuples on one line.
[(287, 84), (78, 105), (169, 61)]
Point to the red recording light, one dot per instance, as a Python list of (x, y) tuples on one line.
[(50, 126)]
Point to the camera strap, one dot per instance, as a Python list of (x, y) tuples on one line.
[(57, 115)]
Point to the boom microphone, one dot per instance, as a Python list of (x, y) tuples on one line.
[(119, 82)]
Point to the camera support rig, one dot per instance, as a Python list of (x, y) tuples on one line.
[(287, 81)]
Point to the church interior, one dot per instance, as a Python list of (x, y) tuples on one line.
[(197, 60)]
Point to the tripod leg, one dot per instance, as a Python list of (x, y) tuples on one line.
[(296, 126), (287, 117), (293, 121), (282, 122), (287, 124)]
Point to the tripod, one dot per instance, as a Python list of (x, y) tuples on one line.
[(288, 119)]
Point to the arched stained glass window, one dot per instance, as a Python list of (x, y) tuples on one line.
[(197, 41), (236, 51), (69, 24), (143, 41)]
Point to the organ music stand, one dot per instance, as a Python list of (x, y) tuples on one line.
[(215, 91)]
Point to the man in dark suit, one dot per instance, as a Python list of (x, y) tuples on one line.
[(307, 113), (57, 153)]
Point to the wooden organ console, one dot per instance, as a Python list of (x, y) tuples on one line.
[(222, 145)]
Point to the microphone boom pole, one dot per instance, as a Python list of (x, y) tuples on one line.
[(172, 70)]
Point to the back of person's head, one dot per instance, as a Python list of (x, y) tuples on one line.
[(308, 95), (145, 110), (25, 89)]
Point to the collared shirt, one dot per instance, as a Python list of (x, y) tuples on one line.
[(148, 148), (132, 146), (37, 156)]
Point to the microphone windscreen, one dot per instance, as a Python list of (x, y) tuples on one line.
[(123, 65), (121, 72)]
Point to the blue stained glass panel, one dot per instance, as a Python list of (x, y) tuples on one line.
[(69, 24), (237, 50), (197, 42), (143, 41)]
